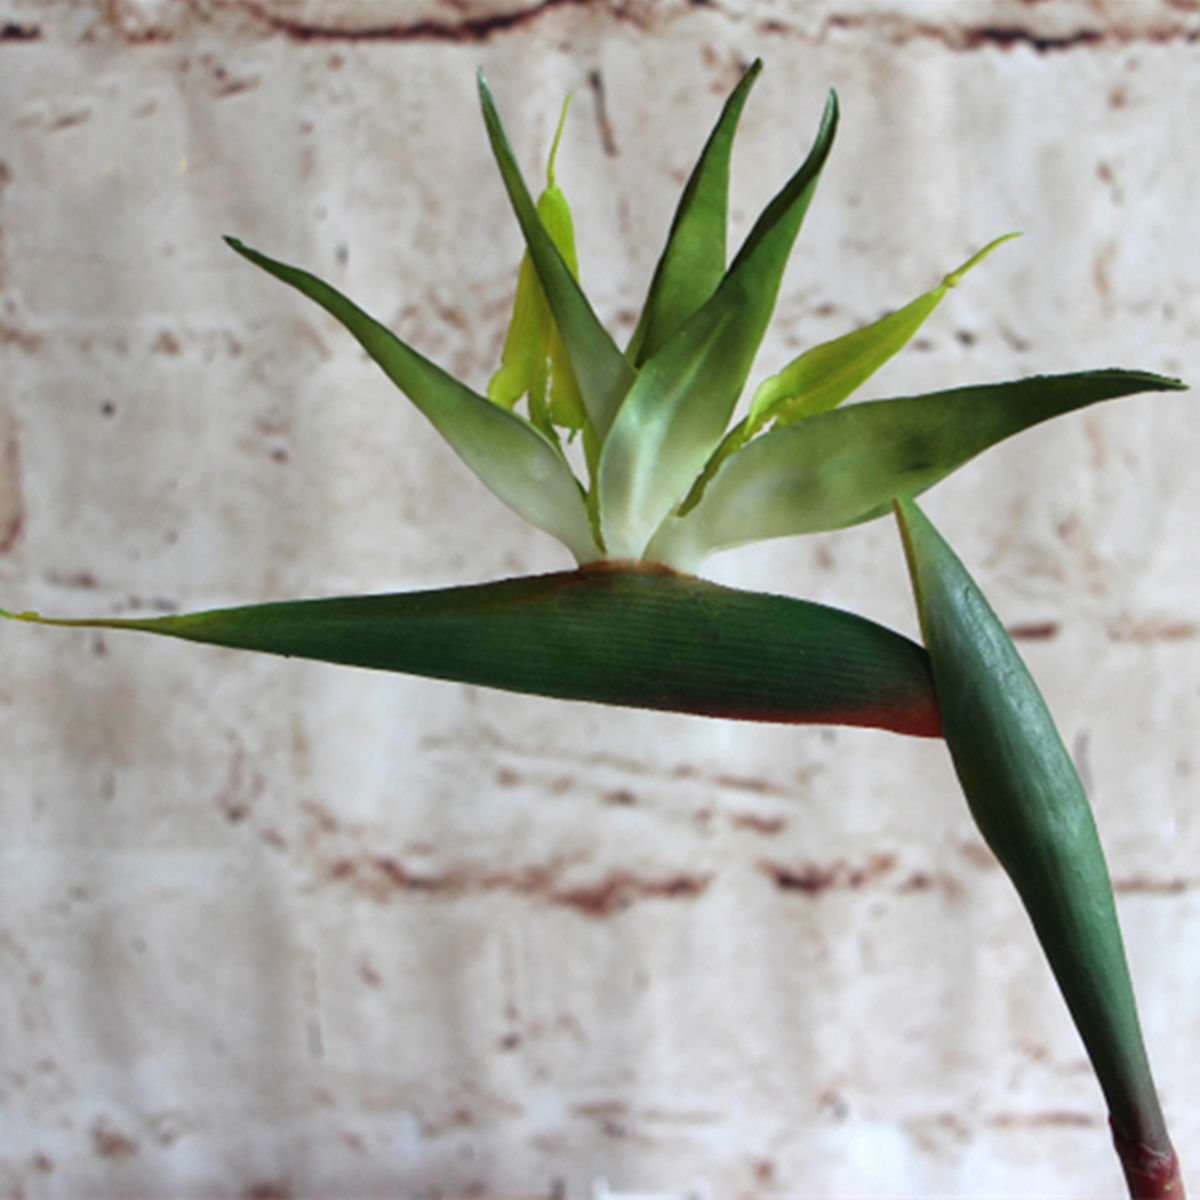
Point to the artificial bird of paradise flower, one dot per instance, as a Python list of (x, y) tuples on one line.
[(672, 479)]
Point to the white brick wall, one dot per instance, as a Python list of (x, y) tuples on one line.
[(278, 929)]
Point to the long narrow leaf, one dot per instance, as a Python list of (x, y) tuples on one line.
[(846, 466), (603, 372), (1030, 806), (516, 461), (675, 413), (639, 637), (822, 377), (693, 262)]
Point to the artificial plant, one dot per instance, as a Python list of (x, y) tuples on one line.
[(669, 482)]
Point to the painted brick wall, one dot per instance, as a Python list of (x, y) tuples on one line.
[(275, 929)]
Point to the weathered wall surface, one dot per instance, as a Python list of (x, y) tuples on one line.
[(275, 929)]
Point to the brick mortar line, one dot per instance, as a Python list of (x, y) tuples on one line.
[(895, 28)]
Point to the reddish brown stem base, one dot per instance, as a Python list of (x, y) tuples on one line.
[(1151, 1174)]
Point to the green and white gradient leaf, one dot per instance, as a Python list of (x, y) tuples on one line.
[(842, 467), (512, 458), (603, 372), (693, 261), (821, 378), (674, 415), (639, 636), (1027, 799)]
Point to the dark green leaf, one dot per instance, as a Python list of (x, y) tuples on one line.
[(693, 261), (640, 637), (675, 413), (1026, 797)]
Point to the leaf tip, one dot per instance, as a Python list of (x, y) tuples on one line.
[(1155, 382), (485, 94), (562, 122), (29, 616), (239, 247), (955, 277)]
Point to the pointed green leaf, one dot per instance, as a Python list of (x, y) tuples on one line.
[(846, 466), (675, 413), (603, 372), (512, 458), (821, 378), (640, 637), (693, 261), (522, 368), (566, 405), (1030, 806), (534, 361)]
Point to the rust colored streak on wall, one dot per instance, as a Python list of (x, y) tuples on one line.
[(1015, 36), (1033, 33), (607, 139), (620, 889), (12, 505), (380, 877), (813, 878), (15, 31), (1140, 885), (477, 29), (1061, 1119), (1036, 631), (1127, 630), (111, 1143), (765, 826)]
